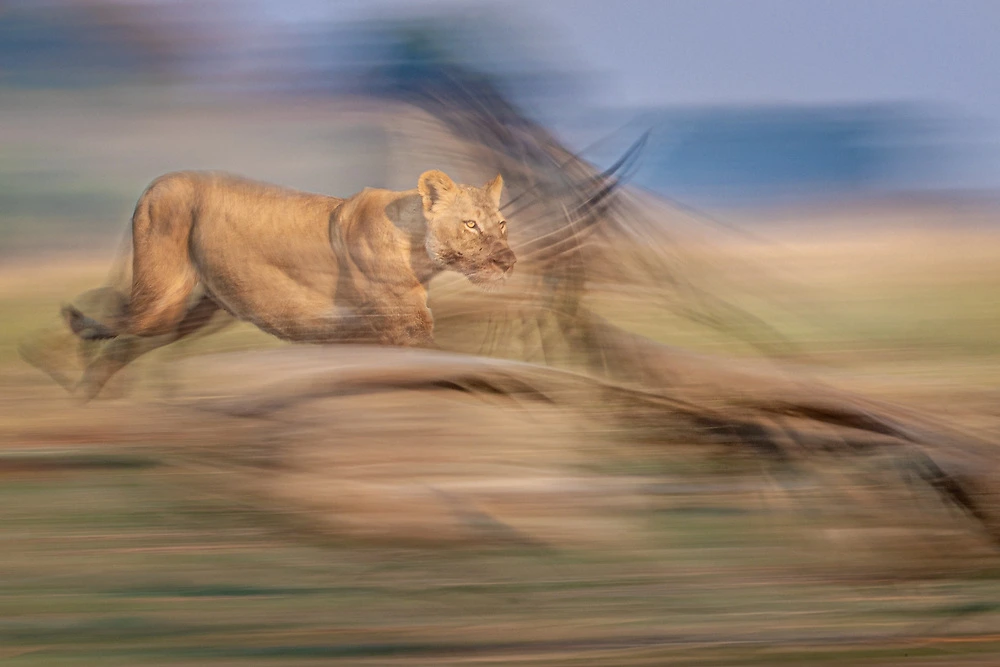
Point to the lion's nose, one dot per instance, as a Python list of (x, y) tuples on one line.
[(505, 259)]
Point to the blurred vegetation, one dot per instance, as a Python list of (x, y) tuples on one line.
[(117, 551), (116, 561), (114, 554)]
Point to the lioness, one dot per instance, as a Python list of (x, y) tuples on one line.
[(303, 267)]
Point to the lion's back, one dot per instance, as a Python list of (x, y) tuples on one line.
[(224, 193), (234, 230), (226, 209)]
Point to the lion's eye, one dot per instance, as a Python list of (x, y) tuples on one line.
[(503, 225), (471, 224)]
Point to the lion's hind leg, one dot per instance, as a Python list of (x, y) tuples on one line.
[(84, 327), (124, 349), (97, 314), (163, 275), (93, 317), (51, 352)]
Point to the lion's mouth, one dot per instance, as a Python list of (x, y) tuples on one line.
[(490, 277)]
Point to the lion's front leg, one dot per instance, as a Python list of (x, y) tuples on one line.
[(407, 323), (413, 329), (394, 307)]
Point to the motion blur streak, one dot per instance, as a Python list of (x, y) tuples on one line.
[(735, 405)]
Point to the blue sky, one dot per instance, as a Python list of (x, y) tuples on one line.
[(699, 51), (750, 51), (943, 53)]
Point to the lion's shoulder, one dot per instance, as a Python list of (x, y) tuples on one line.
[(377, 210), (377, 228)]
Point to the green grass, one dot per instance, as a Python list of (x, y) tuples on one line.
[(105, 565)]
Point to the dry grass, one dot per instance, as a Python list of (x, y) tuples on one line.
[(244, 547), (434, 527)]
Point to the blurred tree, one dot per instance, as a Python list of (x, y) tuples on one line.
[(416, 58)]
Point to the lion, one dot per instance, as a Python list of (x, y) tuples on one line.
[(303, 267)]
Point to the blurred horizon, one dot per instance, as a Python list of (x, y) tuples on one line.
[(736, 120)]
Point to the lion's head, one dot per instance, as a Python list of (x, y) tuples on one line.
[(465, 230)]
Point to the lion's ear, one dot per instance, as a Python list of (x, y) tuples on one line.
[(434, 185), (494, 188)]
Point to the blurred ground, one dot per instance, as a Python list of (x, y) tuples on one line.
[(430, 528)]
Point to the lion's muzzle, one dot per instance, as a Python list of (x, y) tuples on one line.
[(504, 260)]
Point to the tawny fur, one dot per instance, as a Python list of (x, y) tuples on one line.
[(301, 266)]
